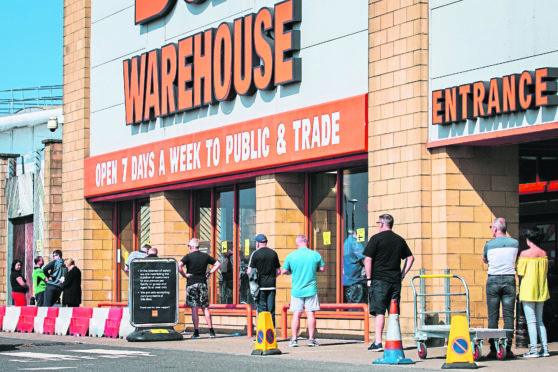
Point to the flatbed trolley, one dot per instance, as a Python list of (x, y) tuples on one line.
[(423, 331)]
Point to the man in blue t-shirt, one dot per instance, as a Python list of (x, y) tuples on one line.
[(303, 264), (500, 254), (353, 264)]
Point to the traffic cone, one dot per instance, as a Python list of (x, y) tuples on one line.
[(460, 353), (393, 350), (266, 342)]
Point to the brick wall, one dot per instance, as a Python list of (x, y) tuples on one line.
[(399, 163), (52, 234), (86, 229), (4, 264)]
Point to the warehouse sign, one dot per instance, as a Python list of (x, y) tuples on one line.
[(501, 95), (254, 52), (304, 135)]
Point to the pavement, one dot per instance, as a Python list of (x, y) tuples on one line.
[(340, 351)]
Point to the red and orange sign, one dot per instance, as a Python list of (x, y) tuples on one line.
[(318, 132)]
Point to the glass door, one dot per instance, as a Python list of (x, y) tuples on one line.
[(246, 234), (224, 239)]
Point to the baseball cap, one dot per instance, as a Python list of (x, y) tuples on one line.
[(261, 238)]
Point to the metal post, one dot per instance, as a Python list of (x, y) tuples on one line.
[(422, 286), (447, 296)]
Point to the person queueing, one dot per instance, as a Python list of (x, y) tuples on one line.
[(196, 275), (384, 253), (266, 261), (532, 267), (353, 263), (19, 285), (303, 264), (72, 285), (500, 254), (54, 270), (142, 253), (39, 281)]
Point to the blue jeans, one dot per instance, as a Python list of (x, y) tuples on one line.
[(534, 318), (500, 289), (266, 302)]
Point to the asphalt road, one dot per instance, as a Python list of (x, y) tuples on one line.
[(41, 355)]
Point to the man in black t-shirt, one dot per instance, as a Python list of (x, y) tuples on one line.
[(266, 262), (382, 263), (196, 263)]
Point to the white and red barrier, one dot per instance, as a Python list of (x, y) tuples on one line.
[(59, 320)]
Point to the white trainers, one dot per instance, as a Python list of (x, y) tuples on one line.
[(293, 343), (313, 343)]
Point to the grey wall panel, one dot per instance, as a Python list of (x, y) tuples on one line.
[(476, 40)]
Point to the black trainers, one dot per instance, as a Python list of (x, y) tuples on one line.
[(492, 355), (375, 347), (196, 334), (212, 333)]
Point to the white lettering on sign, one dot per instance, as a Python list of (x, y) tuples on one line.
[(143, 166), (106, 173), (321, 131), (243, 146)]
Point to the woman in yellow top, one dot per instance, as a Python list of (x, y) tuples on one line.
[(532, 266)]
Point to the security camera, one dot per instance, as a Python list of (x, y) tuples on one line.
[(52, 124)]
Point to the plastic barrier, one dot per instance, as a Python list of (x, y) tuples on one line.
[(224, 309), (334, 315), (26, 321), (49, 325), (112, 324), (97, 323), (125, 326), (2, 313), (79, 323), (63, 321), (40, 319), (11, 318)]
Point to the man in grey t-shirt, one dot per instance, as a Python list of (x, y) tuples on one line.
[(500, 254)]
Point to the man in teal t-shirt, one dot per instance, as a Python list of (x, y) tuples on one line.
[(39, 283), (303, 264)]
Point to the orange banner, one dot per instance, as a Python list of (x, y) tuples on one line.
[(317, 132)]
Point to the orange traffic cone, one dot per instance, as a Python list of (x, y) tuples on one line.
[(393, 350)]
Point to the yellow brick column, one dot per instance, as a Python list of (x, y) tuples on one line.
[(4, 264), (472, 186), (170, 230), (87, 229), (280, 216), (52, 234), (399, 164)]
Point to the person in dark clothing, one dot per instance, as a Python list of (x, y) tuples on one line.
[(54, 270), (19, 285), (266, 262), (196, 263), (71, 284), (384, 253)]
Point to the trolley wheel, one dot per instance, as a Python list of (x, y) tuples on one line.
[(477, 352), (501, 353), (422, 350)]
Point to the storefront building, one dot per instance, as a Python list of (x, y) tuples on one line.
[(223, 119)]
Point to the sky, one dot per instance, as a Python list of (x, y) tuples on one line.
[(31, 43)]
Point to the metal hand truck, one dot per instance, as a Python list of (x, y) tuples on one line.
[(424, 331)]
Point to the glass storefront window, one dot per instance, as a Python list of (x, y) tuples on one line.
[(224, 239), (246, 233), (133, 232), (355, 234), (323, 210)]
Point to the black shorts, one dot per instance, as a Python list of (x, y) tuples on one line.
[(380, 294)]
